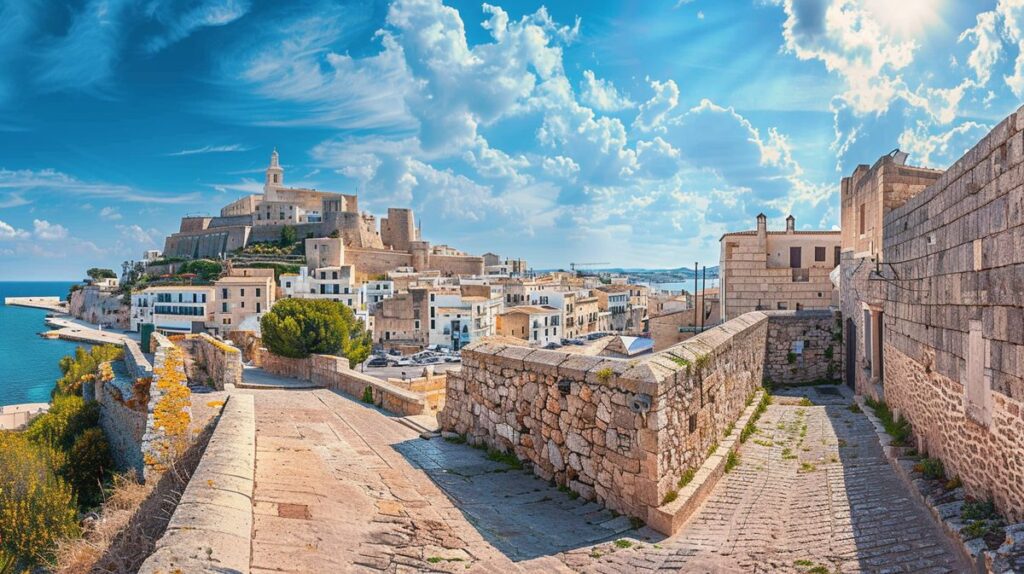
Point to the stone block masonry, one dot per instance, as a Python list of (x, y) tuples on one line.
[(620, 432), (211, 528), (803, 347), (212, 361), (953, 316), (334, 373), (169, 409)]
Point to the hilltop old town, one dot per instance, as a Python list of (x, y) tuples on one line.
[(838, 401)]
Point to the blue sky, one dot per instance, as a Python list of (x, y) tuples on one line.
[(633, 133)]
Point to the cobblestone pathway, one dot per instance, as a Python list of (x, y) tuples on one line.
[(813, 493), (341, 487)]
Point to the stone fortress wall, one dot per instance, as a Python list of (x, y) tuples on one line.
[(804, 347), (619, 432), (210, 361), (953, 318)]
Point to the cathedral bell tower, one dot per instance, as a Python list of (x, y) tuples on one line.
[(275, 178)]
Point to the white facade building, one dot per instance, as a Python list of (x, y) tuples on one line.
[(177, 308), (332, 283), (373, 292), (456, 321)]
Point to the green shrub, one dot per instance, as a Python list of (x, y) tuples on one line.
[(96, 273), (670, 496), (204, 269), (298, 328), (368, 395), (931, 468), (791, 357), (978, 510), (899, 429), (37, 508), (68, 417), (88, 466), (288, 236)]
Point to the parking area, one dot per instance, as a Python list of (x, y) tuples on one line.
[(410, 372)]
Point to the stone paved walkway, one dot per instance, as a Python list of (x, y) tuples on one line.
[(812, 493), (342, 487)]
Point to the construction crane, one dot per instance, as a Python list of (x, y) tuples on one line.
[(573, 266)]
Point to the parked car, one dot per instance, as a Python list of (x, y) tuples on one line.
[(552, 345), (430, 361), (377, 362), (453, 359), (403, 362), (395, 353)]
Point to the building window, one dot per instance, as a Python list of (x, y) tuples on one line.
[(224, 294), (257, 291), (782, 306), (223, 307), (819, 253), (860, 224), (258, 307), (837, 255), (243, 292)]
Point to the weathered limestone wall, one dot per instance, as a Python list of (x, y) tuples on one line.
[(211, 528), (619, 432), (803, 347), (334, 373), (169, 410), (370, 262), (985, 459), (123, 421), (431, 387), (94, 305), (450, 265), (954, 254), (136, 362), (212, 361), (859, 286)]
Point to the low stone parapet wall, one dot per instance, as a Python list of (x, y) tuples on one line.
[(212, 361), (169, 411), (803, 347), (621, 432), (334, 373), (431, 387), (211, 528), (135, 360)]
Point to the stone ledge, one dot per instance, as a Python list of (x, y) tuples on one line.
[(211, 529), (971, 553), (670, 518)]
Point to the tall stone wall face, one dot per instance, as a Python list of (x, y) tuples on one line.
[(123, 426), (987, 460), (211, 361), (803, 347), (955, 254), (450, 265), (97, 306), (376, 261), (856, 289), (616, 431)]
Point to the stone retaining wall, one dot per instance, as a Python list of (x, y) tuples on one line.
[(136, 362), (615, 431), (211, 528), (334, 373), (803, 347), (123, 425), (212, 361)]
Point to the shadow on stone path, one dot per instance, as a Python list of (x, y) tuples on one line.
[(514, 510)]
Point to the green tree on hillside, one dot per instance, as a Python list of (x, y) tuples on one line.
[(288, 236), (204, 269), (298, 328), (97, 273)]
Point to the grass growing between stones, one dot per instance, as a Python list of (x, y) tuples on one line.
[(751, 427), (670, 496), (898, 428), (623, 543), (687, 477), (732, 461), (506, 458)]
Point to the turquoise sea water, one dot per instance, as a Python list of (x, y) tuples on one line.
[(28, 363)]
